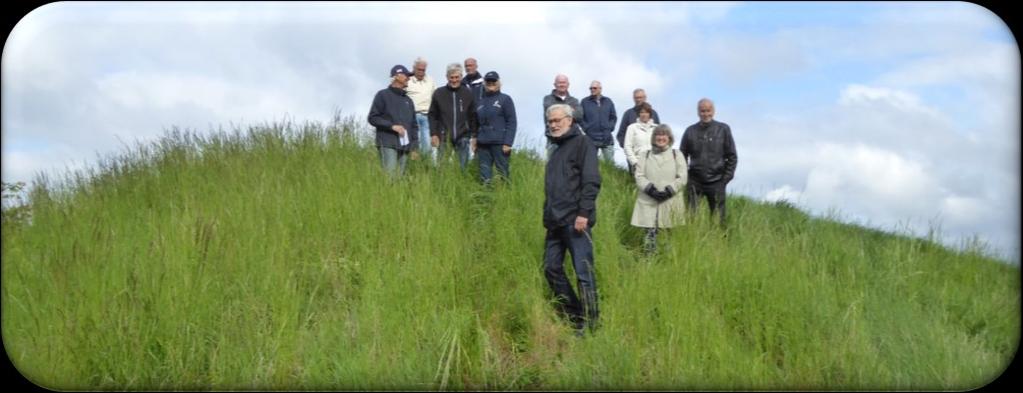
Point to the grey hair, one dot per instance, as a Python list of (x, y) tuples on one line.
[(707, 100), (564, 108), (454, 68), (638, 90), (419, 60), (662, 129)]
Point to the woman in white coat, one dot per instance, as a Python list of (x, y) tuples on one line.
[(661, 173), (637, 135)]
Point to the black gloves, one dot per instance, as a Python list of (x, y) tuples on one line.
[(651, 191), (668, 192)]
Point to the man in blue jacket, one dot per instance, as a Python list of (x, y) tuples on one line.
[(599, 120), (496, 114), (571, 185), (394, 116)]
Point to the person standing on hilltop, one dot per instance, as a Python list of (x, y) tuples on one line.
[(496, 112), (631, 115), (420, 90), (638, 134), (660, 174), (599, 120), (560, 96), (710, 150), (571, 185), (453, 117), (473, 79), (393, 115)]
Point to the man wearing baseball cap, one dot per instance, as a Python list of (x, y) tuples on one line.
[(393, 115)]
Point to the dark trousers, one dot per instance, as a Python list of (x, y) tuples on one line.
[(714, 192), (492, 155), (566, 302)]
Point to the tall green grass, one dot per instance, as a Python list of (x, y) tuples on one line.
[(281, 257)]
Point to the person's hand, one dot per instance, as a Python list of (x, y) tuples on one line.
[(434, 140), (400, 129), (668, 192), (472, 144), (506, 149), (650, 190), (580, 223)]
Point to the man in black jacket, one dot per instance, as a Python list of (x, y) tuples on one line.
[(710, 149), (394, 116), (571, 185), (453, 117)]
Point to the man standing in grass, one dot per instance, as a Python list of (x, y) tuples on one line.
[(709, 147), (393, 115), (571, 185), (420, 90), (453, 117), (560, 96), (599, 120)]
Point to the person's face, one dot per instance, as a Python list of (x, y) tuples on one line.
[(644, 116), (596, 89), (401, 80), (454, 80), (639, 98), (420, 71), (491, 86), (470, 66), (559, 123), (706, 112), (561, 85), (661, 140)]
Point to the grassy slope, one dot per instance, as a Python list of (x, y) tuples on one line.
[(278, 258)]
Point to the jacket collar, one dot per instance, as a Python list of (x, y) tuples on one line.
[(396, 90), (572, 133)]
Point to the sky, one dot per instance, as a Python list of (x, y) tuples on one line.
[(898, 116)]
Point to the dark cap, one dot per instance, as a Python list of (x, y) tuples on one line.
[(399, 69), (492, 76)]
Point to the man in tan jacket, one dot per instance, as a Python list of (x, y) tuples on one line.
[(420, 90)]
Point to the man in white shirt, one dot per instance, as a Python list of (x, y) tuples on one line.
[(420, 89)]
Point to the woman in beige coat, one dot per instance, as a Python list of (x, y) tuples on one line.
[(661, 173)]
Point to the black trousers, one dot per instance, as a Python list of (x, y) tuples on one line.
[(714, 192), (566, 302)]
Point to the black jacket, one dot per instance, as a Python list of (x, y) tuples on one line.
[(572, 180), (599, 120), (475, 83), (453, 110), (710, 150), (393, 106)]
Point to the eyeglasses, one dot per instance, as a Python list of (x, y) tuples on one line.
[(552, 121), (594, 88), (420, 69)]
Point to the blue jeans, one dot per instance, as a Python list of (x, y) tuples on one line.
[(393, 160), (567, 304), (423, 121), (607, 152), (492, 155), (461, 147)]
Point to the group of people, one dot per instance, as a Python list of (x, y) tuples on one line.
[(470, 114)]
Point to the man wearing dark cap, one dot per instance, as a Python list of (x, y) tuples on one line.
[(496, 114), (393, 115)]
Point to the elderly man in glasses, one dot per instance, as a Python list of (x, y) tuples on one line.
[(599, 120)]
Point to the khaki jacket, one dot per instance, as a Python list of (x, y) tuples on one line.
[(667, 168), (421, 91)]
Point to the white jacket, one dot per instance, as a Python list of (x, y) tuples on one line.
[(667, 168), (637, 139), (421, 91)]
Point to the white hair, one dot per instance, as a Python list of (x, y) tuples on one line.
[(419, 60), (454, 68), (564, 108)]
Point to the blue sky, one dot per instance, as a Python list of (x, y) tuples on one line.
[(895, 115)]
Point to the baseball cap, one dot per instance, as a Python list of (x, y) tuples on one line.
[(400, 69), (492, 76)]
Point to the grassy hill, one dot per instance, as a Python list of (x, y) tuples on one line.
[(278, 257)]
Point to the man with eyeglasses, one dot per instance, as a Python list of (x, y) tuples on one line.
[(599, 120), (571, 185)]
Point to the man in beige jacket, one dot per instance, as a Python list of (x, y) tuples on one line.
[(420, 90)]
